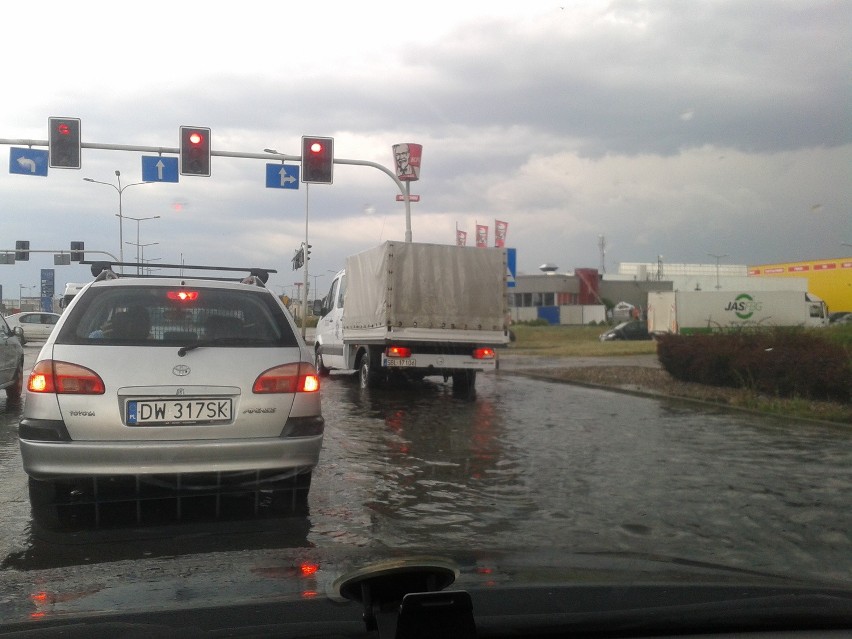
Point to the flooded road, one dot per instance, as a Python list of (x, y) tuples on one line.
[(524, 465)]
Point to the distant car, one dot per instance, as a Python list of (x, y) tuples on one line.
[(632, 330), (186, 383), (11, 361), (36, 325), (840, 318)]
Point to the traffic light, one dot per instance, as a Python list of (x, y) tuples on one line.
[(307, 251), (77, 251), (194, 151), (298, 259), (317, 160), (22, 250), (63, 138)]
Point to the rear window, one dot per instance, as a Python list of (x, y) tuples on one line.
[(177, 316)]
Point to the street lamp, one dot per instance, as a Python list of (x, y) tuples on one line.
[(141, 246), (718, 257), (120, 189), (138, 220)]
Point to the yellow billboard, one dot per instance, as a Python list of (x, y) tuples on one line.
[(830, 280)]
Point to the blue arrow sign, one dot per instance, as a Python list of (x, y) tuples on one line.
[(159, 169), (511, 267), (28, 161), (282, 176)]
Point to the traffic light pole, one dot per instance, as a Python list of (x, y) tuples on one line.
[(233, 154), (306, 258)]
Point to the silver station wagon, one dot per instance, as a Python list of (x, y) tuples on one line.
[(185, 383)]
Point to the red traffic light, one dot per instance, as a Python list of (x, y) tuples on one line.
[(195, 151), (317, 160), (64, 143)]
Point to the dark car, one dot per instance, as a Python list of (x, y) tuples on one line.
[(632, 330), (11, 361)]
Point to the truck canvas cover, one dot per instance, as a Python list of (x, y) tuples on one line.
[(426, 286)]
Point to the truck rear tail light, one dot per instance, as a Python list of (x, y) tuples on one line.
[(483, 353), (398, 351), (298, 377), (63, 378)]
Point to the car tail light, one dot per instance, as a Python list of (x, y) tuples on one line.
[(49, 376), (398, 351), (182, 296), (483, 353), (298, 377)]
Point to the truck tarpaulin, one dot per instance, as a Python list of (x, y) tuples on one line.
[(404, 285)]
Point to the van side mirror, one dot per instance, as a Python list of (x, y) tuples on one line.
[(318, 309)]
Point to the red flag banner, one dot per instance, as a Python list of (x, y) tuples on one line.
[(461, 238), (481, 235), (500, 230)]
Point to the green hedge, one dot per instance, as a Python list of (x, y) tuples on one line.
[(810, 364)]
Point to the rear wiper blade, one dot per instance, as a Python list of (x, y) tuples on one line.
[(219, 341), (183, 350)]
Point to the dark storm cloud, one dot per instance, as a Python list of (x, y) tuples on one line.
[(759, 76)]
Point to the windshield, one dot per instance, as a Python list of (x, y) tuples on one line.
[(554, 298)]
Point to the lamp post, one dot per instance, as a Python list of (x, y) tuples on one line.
[(138, 220), (120, 190), (718, 257), (141, 246)]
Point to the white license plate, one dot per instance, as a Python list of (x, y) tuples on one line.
[(406, 361), (202, 410)]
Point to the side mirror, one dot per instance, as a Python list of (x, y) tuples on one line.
[(318, 309), (19, 333)]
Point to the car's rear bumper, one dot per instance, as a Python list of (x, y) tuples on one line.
[(69, 459)]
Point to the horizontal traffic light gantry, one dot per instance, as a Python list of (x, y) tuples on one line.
[(64, 143), (195, 151), (317, 160)]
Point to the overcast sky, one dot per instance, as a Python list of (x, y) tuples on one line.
[(672, 127)]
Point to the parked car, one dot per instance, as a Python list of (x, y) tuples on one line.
[(11, 361), (36, 326), (185, 382), (632, 330)]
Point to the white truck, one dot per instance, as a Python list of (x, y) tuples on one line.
[(686, 312), (415, 310), (71, 290)]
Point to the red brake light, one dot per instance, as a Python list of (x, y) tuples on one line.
[(298, 377), (483, 353), (49, 376), (182, 296), (398, 351)]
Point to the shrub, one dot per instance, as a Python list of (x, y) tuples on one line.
[(781, 362)]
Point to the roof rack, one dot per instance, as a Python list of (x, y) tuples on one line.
[(254, 275)]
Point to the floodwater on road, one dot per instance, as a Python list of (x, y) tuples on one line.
[(547, 465), (524, 465)]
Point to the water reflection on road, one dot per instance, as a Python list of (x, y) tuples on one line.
[(524, 465), (538, 465)]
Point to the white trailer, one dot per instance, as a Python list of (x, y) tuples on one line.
[(415, 310), (686, 312)]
